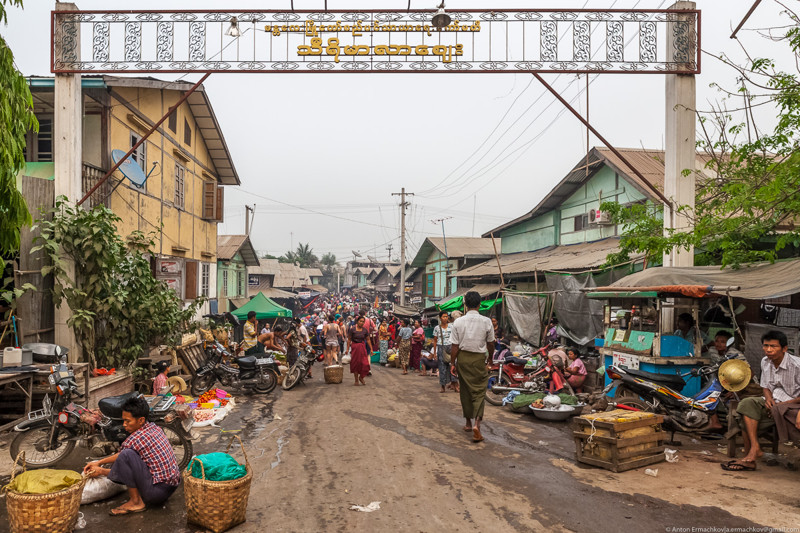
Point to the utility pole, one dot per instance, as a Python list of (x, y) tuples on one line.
[(390, 252), (247, 211), (446, 256), (403, 204)]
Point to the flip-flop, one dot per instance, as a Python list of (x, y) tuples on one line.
[(476, 435), (465, 428), (126, 511), (738, 466)]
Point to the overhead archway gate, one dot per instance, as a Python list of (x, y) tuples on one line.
[(475, 41)]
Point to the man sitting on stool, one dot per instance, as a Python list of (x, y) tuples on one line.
[(146, 463)]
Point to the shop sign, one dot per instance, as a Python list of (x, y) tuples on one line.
[(252, 280), (416, 300), (626, 360), (304, 294), (169, 267), (173, 283)]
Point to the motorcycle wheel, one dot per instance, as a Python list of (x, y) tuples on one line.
[(632, 402), (267, 381), (292, 378), (31, 442), (181, 445), (497, 398), (623, 392), (201, 384)]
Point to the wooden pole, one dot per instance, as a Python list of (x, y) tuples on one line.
[(499, 267)]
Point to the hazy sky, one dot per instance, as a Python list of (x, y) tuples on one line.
[(341, 144)]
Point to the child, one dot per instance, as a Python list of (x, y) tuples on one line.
[(160, 380)]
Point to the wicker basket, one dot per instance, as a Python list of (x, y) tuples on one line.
[(217, 505), (56, 512), (334, 374)]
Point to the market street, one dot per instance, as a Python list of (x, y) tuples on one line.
[(320, 448)]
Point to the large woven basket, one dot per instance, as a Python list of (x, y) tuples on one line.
[(334, 374), (217, 505), (56, 512)]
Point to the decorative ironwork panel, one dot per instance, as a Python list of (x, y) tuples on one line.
[(100, 42), (165, 32), (640, 41), (133, 41)]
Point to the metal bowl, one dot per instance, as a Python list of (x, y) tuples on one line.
[(553, 415)]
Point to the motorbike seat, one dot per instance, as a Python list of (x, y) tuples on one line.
[(248, 361), (510, 359), (112, 405), (670, 380)]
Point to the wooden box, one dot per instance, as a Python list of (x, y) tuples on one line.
[(619, 440)]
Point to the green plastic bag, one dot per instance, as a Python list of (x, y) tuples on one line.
[(218, 467), (43, 481)]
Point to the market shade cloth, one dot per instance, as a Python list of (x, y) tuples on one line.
[(579, 318), (457, 304), (264, 308), (756, 282), (400, 310), (691, 291), (484, 290), (524, 315)]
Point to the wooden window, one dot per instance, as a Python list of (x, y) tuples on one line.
[(187, 133), (225, 282), (172, 121), (44, 140), (581, 222), (205, 280), (220, 204), (190, 288), (240, 284), (209, 200), (180, 186), (140, 156), (430, 285)]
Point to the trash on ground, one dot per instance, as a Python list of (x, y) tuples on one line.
[(651, 472), (374, 506), (672, 455)]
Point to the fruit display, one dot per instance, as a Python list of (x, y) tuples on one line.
[(211, 396)]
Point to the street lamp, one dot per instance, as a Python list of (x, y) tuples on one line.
[(233, 30), (441, 19)]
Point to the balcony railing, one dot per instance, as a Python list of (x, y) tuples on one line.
[(90, 176)]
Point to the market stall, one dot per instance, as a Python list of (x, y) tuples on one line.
[(264, 308)]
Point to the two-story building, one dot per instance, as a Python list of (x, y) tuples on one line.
[(186, 163), (440, 259), (235, 254)]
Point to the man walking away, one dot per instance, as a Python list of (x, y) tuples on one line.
[(472, 334)]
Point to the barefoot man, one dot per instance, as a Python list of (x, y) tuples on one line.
[(780, 380), (471, 336)]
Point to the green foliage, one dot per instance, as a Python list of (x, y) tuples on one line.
[(748, 194), (303, 256), (328, 260), (16, 118), (118, 307)]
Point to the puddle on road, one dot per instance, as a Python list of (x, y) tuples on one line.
[(281, 442)]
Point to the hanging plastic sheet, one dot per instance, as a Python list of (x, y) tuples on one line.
[(579, 318), (524, 316)]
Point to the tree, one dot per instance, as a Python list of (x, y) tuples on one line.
[(303, 256), (748, 194), (16, 119), (328, 260)]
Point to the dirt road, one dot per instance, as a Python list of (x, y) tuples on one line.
[(320, 448)]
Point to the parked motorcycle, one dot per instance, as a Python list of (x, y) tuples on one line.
[(50, 434), (653, 392), (257, 372), (302, 367)]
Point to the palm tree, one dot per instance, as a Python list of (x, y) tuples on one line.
[(303, 256)]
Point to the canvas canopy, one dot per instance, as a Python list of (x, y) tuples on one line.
[(457, 304), (754, 282), (264, 308)]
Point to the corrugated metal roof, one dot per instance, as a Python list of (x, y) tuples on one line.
[(228, 245), (313, 272), (650, 163), (267, 267), (290, 276), (457, 247), (574, 257), (269, 292)]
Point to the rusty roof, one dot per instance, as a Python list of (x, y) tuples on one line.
[(229, 245), (457, 247)]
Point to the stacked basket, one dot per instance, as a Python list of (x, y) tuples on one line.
[(334, 374), (217, 505), (56, 512)]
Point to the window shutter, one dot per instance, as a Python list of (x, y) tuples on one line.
[(220, 204), (190, 290), (209, 200)]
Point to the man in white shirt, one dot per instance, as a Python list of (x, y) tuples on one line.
[(470, 339)]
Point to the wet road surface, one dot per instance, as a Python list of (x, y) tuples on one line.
[(320, 448)]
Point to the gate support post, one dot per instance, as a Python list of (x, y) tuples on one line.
[(680, 135), (68, 159)]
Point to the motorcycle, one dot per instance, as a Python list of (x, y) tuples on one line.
[(259, 372), (653, 392), (50, 434), (302, 367), (515, 374)]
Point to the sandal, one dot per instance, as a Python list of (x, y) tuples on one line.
[(738, 466), (476, 435), (124, 511)]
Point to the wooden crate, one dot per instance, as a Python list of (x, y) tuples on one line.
[(192, 357), (619, 440)]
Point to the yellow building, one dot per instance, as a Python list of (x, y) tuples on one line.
[(186, 161)]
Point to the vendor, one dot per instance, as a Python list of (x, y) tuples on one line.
[(146, 463), (780, 382), (160, 381), (720, 351), (687, 329), (576, 370), (250, 343), (273, 340)]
